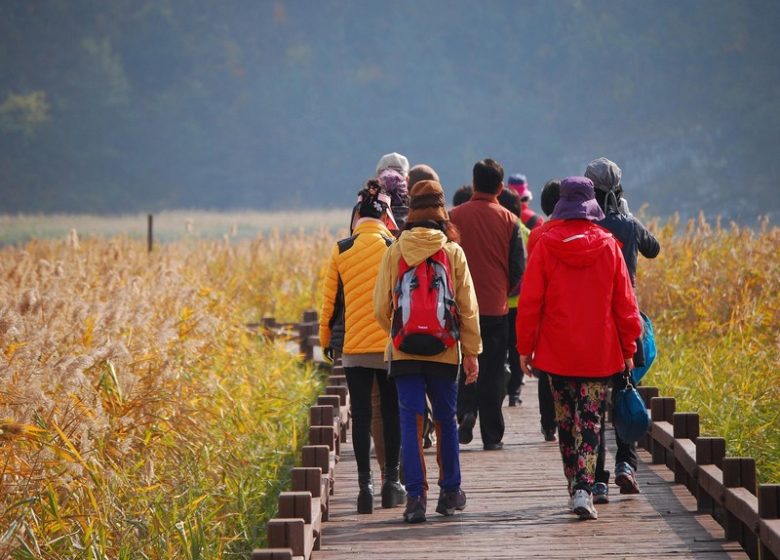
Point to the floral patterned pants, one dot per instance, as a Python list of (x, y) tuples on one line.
[(579, 406)]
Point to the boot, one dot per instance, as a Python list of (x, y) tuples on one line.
[(365, 499), (393, 492)]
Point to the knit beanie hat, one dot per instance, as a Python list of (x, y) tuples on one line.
[(427, 203), (519, 184), (395, 185), (395, 161)]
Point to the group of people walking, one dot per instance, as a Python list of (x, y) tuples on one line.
[(439, 314)]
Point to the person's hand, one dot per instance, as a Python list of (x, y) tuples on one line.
[(328, 353), (629, 363), (525, 365), (471, 367)]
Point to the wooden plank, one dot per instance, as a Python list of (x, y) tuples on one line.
[(769, 535), (517, 509), (272, 554)]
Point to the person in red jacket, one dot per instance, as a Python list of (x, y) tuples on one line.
[(578, 321), (519, 184)]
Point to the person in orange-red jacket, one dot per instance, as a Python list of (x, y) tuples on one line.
[(578, 321)]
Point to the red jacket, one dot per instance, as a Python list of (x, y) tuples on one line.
[(577, 314), (530, 219)]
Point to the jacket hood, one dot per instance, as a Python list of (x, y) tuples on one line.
[(419, 243), (577, 243)]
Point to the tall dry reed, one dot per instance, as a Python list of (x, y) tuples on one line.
[(139, 418), (714, 295)]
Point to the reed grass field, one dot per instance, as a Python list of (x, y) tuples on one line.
[(714, 296), (139, 418)]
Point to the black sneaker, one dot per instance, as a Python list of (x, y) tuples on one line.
[(515, 400), (451, 501), (466, 428), (549, 434), (415, 509)]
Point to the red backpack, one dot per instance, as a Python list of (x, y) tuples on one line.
[(425, 320)]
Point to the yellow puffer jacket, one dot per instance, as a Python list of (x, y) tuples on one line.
[(415, 246), (352, 271)]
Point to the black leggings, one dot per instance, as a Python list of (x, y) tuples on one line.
[(360, 381)]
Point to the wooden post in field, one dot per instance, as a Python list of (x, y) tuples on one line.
[(150, 232)]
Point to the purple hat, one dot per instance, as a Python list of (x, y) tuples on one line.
[(395, 185), (578, 201)]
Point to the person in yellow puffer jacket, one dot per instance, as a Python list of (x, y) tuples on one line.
[(352, 271), (428, 230)]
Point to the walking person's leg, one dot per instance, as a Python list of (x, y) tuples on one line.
[(359, 382), (491, 384), (411, 408), (377, 428), (442, 391), (564, 399), (590, 405), (468, 407), (393, 492), (515, 383), (546, 406)]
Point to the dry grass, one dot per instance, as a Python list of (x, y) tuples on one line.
[(170, 225), (138, 417), (714, 296)]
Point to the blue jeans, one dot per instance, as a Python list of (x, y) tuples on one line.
[(442, 390)]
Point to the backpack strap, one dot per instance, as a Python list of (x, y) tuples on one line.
[(347, 243), (532, 221)]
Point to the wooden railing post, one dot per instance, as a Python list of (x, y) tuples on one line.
[(686, 426), (740, 472), (647, 394), (709, 451), (768, 508), (661, 410)]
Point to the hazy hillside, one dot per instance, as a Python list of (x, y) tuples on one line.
[(141, 105)]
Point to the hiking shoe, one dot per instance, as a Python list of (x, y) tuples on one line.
[(549, 434), (415, 509), (515, 400), (393, 493), (449, 501), (498, 446), (582, 505), (624, 477), (466, 428), (600, 493)]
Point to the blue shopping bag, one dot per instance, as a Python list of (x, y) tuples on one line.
[(648, 344), (632, 418)]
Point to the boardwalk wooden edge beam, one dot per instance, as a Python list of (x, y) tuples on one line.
[(272, 554), (297, 530), (697, 462), (704, 472)]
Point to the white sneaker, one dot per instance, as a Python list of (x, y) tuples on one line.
[(582, 505)]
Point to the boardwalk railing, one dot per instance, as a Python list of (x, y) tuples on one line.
[(296, 531), (725, 487)]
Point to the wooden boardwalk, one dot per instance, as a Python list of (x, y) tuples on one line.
[(517, 509)]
